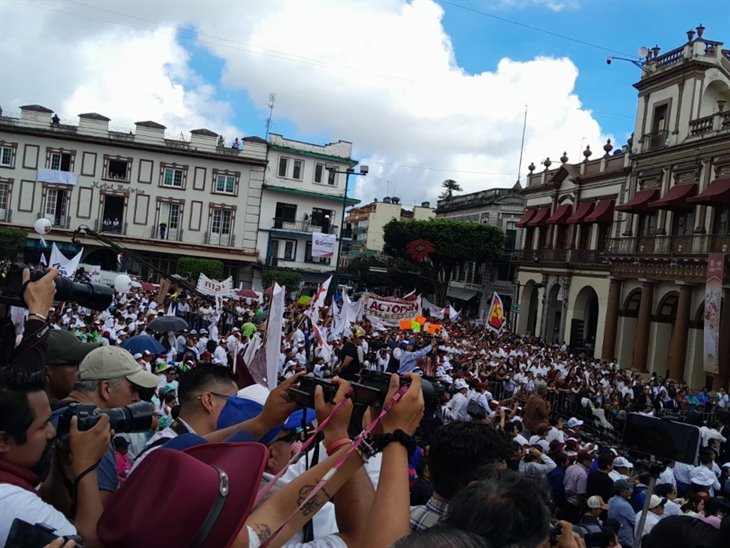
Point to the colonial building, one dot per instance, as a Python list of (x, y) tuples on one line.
[(368, 221), (671, 221), (161, 198), (473, 283), (303, 193)]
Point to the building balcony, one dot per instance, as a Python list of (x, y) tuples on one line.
[(305, 226), (707, 125), (654, 141), (581, 257), (669, 246)]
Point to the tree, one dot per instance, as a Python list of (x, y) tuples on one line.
[(192, 267), (373, 271), (450, 186), (285, 278), (11, 240), (439, 246)]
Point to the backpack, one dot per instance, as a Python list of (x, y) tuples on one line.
[(476, 410)]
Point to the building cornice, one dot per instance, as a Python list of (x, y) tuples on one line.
[(311, 154), (131, 145), (310, 193)]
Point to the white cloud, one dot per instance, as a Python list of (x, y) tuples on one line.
[(553, 5), (380, 74)]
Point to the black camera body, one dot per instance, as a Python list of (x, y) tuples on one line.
[(88, 295), (27, 535), (136, 417), (370, 390)]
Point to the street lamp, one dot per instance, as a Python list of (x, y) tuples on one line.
[(349, 171)]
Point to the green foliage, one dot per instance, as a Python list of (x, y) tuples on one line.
[(454, 242), (191, 267), (285, 278), (400, 272), (11, 240), (450, 186)]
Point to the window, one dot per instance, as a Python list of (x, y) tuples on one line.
[(4, 201), (331, 178), (168, 225), (61, 161), (283, 162), (285, 250), (683, 223), (221, 221), (722, 220), (297, 170), (632, 304), (289, 250), (318, 172), (308, 255), (117, 169), (56, 206), (321, 220), (225, 184), (285, 213), (113, 218), (173, 177), (7, 156)]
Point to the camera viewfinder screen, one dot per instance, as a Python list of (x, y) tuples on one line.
[(665, 439)]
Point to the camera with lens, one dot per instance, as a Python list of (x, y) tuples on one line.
[(303, 392), (88, 295), (136, 417), (372, 389)]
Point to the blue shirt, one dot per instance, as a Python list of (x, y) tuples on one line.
[(620, 510), (555, 479), (408, 359)]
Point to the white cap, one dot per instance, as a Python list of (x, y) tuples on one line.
[(655, 501), (622, 462), (703, 476), (460, 384), (573, 422)]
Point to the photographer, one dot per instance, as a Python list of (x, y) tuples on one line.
[(108, 378), (410, 357), (26, 434), (38, 296)]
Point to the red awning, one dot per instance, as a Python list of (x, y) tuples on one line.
[(602, 214), (540, 217), (561, 215), (583, 209), (526, 216), (676, 198), (639, 202), (718, 193)]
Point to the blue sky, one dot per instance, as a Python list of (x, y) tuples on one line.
[(424, 89)]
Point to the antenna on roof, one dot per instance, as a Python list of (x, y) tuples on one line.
[(522, 147), (270, 104)]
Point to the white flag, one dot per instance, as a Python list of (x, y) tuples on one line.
[(323, 245), (453, 314), (66, 267), (318, 300), (273, 335), (43, 261)]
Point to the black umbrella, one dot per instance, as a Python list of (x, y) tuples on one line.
[(163, 324)]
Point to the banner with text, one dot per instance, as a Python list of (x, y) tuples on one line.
[(389, 310), (323, 245), (214, 288), (713, 304)]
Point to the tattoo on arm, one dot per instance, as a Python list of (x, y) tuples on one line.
[(313, 505), (263, 531)]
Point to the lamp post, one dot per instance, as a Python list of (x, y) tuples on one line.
[(347, 172)]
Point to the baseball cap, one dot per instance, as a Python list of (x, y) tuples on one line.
[(584, 455), (655, 501), (556, 446), (64, 346), (622, 485), (113, 362), (573, 422), (597, 502), (460, 384), (621, 462)]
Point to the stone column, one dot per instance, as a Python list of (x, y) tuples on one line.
[(723, 378), (643, 326), (678, 346), (608, 351)]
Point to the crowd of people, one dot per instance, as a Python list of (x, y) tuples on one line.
[(492, 440)]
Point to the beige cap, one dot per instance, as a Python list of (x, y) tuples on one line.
[(113, 362)]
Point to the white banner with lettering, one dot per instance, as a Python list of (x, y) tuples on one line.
[(323, 245), (214, 288), (66, 267), (388, 310)]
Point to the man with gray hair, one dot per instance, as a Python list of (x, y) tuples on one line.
[(109, 377)]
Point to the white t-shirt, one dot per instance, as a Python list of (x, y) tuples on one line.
[(17, 502), (330, 541)]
